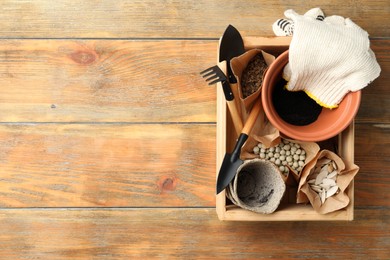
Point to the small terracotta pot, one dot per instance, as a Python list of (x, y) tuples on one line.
[(329, 123)]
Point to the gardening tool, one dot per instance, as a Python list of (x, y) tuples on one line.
[(215, 74), (232, 45), (232, 161)]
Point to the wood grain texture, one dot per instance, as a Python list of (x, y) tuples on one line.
[(74, 165), (185, 234), (129, 81), (107, 134), (106, 81), (375, 104), (178, 19), (116, 165), (372, 155)]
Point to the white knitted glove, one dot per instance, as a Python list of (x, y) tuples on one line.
[(285, 27), (328, 59)]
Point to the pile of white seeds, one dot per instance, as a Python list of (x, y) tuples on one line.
[(286, 154), (323, 179)]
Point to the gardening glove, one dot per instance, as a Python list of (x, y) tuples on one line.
[(285, 27), (328, 59)]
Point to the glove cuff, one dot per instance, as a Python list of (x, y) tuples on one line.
[(320, 89), (327, 88)]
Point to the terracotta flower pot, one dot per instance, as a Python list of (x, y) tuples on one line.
[(329, 123)]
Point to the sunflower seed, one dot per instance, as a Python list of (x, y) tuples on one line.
[(322, 175), (325, 186), (329, 182), (323, 197), (332, 191), (316, 188), (331, 175)]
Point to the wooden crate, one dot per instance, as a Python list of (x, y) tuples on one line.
[(226, 136)]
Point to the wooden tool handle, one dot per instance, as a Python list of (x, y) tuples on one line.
[(235, 116), (252, 117)]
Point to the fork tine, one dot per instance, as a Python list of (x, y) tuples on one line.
[(212, 77), (209, 73), (215, 81), (219, 72), (208, 69)]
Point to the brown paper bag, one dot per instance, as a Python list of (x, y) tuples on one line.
[(311, 149), (238, 65), (338, 201)]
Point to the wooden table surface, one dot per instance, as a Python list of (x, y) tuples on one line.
[(108, 134)]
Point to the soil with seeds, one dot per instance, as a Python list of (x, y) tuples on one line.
[(252, 76)]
